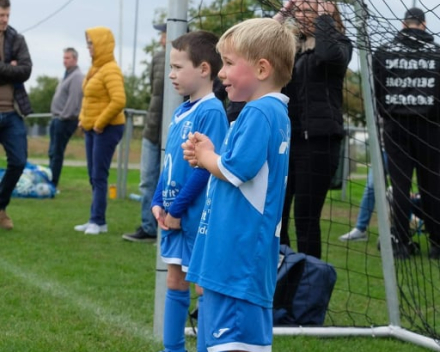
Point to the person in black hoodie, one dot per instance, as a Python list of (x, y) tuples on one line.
[(407, 88), (315, 111)]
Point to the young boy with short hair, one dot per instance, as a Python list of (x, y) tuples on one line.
[(179, 198), (237, 247)]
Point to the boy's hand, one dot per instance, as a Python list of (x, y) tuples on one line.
[(189, 151), (171, 222), (202, 147), (159, 214)]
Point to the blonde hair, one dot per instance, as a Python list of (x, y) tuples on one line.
[(263, 38)]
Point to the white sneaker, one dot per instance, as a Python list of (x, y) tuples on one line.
[(354, 235), (94, 229), (84, 227), (81, 228)]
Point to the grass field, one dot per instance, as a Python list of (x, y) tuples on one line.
[(64, 291)]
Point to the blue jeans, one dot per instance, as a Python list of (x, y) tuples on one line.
[(150, 170), (60, 132), (14, 141), (100, 148), (368, 200)]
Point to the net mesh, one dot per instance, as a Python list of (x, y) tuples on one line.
[(359, 297)]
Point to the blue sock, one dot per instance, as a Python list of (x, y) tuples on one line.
[(176, 313), (201, 342)]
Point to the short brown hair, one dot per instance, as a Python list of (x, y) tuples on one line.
[(201, 47), (5, 4)]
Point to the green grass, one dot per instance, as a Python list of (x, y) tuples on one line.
[(63, 291)]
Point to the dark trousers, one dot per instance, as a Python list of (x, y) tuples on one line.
[(14, 140), (313, 164), (60, 132), (414, 143), (99, 151)]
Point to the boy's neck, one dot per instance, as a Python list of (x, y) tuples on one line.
[(203, 90), (265, 88)]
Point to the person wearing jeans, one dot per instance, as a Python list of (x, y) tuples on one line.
[(102, 119), (366, 210), (15, 69), (65, 108), (100, 148)]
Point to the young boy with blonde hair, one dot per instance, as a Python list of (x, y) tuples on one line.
[(180, 194), (237, 246)]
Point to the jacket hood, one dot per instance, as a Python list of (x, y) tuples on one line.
[(414, 37), (103, 45)]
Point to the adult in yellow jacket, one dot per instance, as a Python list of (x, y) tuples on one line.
[(102, 119)]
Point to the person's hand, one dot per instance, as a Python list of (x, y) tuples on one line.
[(79, 124), (160, 214), (202, 144), (97, 130), (285, 11), (189, 153), (171, 222), (14, 63), (326, 8)]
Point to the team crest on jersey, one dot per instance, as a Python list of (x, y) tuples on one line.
[(186, 129)]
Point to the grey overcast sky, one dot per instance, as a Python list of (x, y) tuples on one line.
[(65, 28)]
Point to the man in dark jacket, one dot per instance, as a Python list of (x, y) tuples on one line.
[(151, 143), (407, 84), (15, 69)]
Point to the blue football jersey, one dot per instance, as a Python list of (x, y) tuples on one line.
[(237, 247), (208, 117)]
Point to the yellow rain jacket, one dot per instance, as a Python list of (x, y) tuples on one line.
[(104, 95)]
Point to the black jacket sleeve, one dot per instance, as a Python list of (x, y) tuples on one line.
[(17, 74), (332, 47)]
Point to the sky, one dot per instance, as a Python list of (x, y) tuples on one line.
[(67, 28), (71, 18)]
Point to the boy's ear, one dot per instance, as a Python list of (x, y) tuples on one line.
[(264, 69), (205, 68)]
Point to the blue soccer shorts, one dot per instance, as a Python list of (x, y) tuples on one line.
[(233, 324), (176, 247)]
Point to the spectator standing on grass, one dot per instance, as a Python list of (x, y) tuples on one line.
[(15, 69), (65, 108), (151, 144), (407, 87), (102, 119), (180, 194), (236, 252), (315, 110), (359, 232)]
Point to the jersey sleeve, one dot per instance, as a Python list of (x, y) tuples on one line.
[(246, 149)]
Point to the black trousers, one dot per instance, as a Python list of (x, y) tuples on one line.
[(313, 163), (414, 143)]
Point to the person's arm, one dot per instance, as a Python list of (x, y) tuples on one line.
[(20, 68), (331, 45), (114, 84), (190, 191), (73, 102)]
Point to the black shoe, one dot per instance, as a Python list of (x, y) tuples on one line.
[(139, 236), (434, 252)]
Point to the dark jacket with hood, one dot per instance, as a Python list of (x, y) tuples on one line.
[(15, 48), (407, 76), (315, 91)]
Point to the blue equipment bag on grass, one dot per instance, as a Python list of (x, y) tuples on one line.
[(304, 287), (34, 182)]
